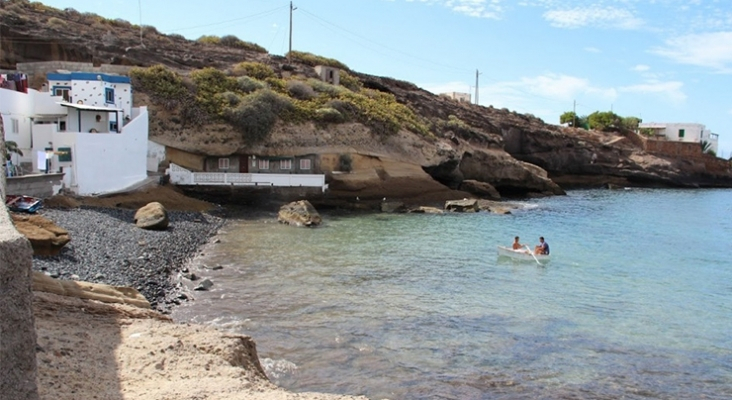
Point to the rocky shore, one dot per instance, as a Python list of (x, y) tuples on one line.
[(106, 247)]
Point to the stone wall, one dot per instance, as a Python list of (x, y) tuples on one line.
[(17, 330), (38, 185)]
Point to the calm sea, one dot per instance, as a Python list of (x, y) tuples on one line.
[(635, 303)]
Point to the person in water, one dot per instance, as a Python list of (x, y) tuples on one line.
[(542, 247), (516, 244)]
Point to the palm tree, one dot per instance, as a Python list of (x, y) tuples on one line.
[(12, 147)]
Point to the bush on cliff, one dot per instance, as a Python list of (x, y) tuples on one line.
[(163, 85), (257, 114), (255, 70), (314, 60), (210, 82)]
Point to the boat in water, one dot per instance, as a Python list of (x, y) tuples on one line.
[(523, 254), (18, 203)]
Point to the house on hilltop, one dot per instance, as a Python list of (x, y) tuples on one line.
[(81, 125), (681, 132), (457, 96)]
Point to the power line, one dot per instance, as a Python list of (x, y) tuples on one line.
[(253, 16)]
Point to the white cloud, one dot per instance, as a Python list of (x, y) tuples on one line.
[(595, 16), (710, 50), (641, 68), (670, 91), (474, 8), (592, 50)]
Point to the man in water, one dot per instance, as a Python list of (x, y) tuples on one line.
[(516, 244), (542, 247)]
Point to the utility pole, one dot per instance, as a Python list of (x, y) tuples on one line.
[(139, 4), (290, 50), (476, 86)]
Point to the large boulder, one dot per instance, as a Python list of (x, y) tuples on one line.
[(46, 238), (464, 205), (153, 216), (299, 213)]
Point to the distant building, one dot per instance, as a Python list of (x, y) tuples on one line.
[(681, 132), (329, 74), (458, 96)]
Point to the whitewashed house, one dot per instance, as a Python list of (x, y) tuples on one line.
[(682, 132), (82, 125)]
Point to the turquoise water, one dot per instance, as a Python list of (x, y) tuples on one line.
[(635, 303)]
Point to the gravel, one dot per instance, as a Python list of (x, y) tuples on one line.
[(107, 247)]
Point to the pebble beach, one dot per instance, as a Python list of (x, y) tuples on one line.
[(106, 247)]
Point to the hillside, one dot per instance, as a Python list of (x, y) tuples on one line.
[(226, 96)]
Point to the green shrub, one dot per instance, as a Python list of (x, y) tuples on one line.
[(210, 82), (253, 69), (234, 42), (329, 115), (277, 84), (230, 98), (349, 81), (257, 114), (209, 39), (248, 84), (313, 60), (324, 87), (160, 83), (300, 90)]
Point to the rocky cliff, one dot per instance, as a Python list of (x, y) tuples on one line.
[(452, 150)]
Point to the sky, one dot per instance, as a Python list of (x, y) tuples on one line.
[(659, 60)]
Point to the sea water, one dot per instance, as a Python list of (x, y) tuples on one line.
[(636, 301)]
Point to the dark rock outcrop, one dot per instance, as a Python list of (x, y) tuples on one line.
[(464, 205)]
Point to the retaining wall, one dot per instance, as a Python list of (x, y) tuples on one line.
[(44, 67), (18, 369), (38, 185)]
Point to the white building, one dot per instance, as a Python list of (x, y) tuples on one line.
[(460, 97), (682, 132), (84, 126)]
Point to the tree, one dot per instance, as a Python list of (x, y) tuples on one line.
[(606, 121), (631, 123), (569, 117)]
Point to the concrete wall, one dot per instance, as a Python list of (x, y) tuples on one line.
[(41, 185), (18, 369)]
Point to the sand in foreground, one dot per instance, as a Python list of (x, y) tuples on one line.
[(92, 350)]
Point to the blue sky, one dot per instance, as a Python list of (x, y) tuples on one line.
[(660, 60)]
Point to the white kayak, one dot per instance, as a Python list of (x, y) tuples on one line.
[(522, 254)]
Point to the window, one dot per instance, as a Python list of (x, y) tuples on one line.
[(263, 164), (286, 164), (109, 95), (681, 133), (14, 125), (223, 163), (62, 126), (63, 91), (305, 164)]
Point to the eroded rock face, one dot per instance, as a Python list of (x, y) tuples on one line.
[(508, 175), (46, 238), (299, 213), (153, 216), (481, 189)]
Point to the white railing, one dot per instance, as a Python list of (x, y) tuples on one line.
[(182, 176)]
